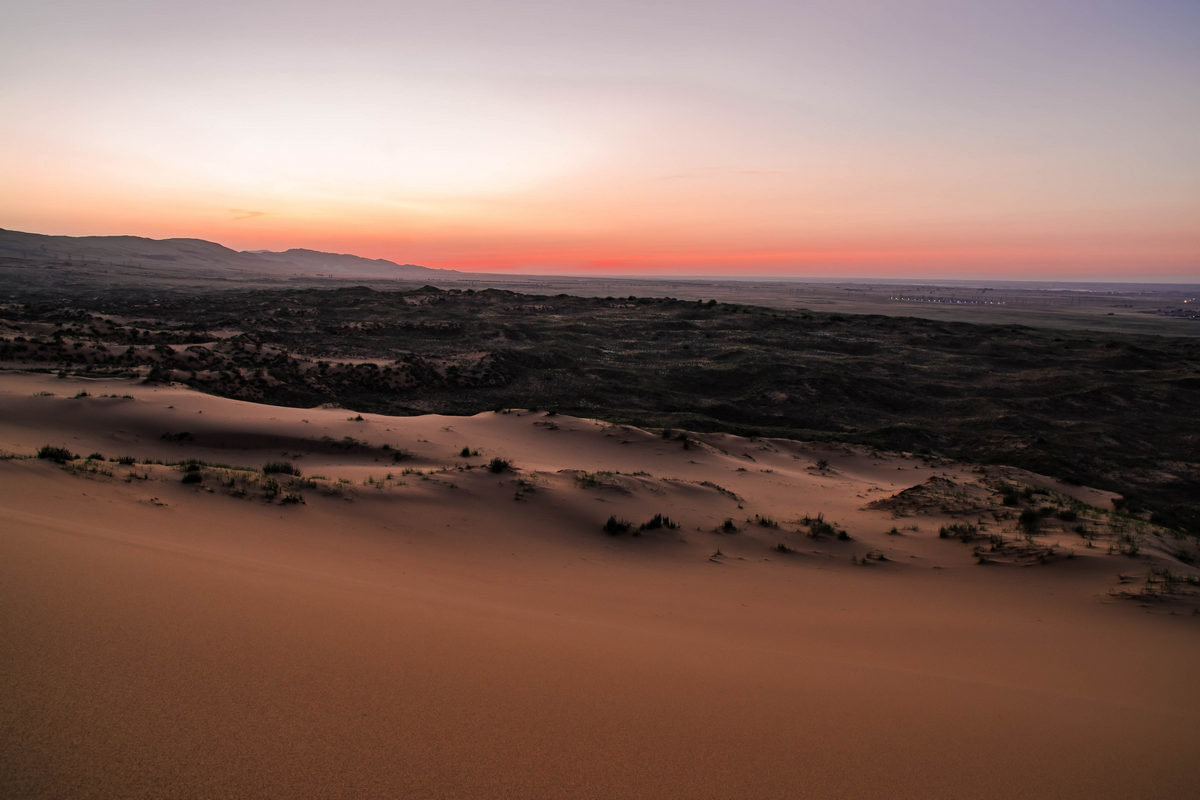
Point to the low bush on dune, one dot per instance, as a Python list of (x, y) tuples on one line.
[(57, 454), (192, 477), (658, 521), (280, 468), (963, 531), (398, 453), (818, 527), (615, 527), (499, 465)]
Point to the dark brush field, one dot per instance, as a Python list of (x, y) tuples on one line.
[(1110, 409)]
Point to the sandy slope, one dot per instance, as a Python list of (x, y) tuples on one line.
[(453, 632)]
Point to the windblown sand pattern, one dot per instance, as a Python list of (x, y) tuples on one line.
[(411, 616)]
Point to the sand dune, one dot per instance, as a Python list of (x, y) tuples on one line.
[(418, 625)]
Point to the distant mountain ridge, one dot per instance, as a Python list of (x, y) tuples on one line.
[(200, 255)]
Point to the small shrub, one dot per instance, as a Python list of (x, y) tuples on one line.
[(728, 527), (192, 477), (96, 457), (961, 531), (818, 527), (499, 465), (658, 521), (464, 453), (783, 548), (57, 454), (127, 460), (280, 468), (615, 527), (765, 522), (1029, 521), (1068, 515)]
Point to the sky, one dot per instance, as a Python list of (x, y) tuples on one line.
[(911, 138)]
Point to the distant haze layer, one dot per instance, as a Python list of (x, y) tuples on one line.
[(936, 139)]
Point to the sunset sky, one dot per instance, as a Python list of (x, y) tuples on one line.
[(914, 138)]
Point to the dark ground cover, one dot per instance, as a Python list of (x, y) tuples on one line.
[(1109, 410)]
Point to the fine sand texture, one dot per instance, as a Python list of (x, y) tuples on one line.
[(402, 619)]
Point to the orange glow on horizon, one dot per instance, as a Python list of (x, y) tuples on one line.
[(824, 139)]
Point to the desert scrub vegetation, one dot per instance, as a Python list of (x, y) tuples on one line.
[(280, 468), (1161, 584), (818, 527), (1030, 521), (658, 521), (603, 479), (499, 465), (615, 527), (398, 453), (641, 361), (59, 455), (962, 531), (88, 468)]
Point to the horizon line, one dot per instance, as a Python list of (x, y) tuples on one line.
[(515, 272)]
